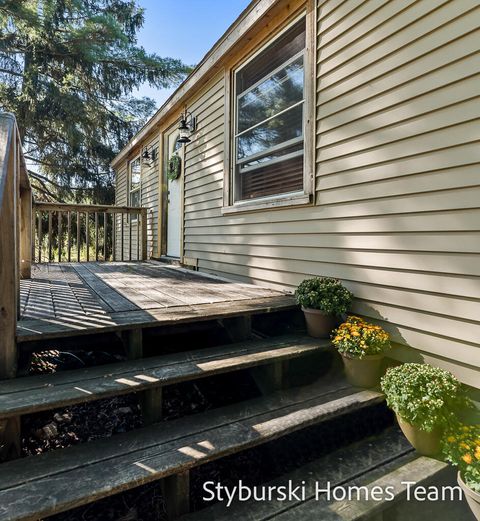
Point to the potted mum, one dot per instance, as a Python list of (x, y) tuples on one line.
[(425, 400), (461, 447), (362, 346), (323, 301)]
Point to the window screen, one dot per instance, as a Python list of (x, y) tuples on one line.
[(269, 106)]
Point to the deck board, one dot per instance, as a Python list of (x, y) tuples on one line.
[(75, 299), (99, 469), (49, 391)]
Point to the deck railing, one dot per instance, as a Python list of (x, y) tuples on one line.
[(78, 232), (40, 231), (15, 237)]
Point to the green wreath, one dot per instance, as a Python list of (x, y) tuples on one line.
[(174, 167)]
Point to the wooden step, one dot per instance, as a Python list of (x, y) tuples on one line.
[(386, 460), (37, 393), (71, 325), (43, 485), (421, 470)]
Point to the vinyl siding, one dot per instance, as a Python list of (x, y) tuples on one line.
[(121, 197), (149, 200), (397, 212), (150, 182)]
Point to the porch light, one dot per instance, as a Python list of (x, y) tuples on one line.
[(148, 157), (186, 127)]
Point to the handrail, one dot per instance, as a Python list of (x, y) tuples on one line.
[(93, 232), (15, 237)]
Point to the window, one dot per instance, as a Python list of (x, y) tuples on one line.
[(269, 119), (134, 183)]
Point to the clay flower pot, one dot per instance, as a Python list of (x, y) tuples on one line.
[(425, 443), (363, 372), (472, 497), (319, 325)]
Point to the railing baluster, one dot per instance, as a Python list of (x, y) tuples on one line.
[(59, 231), (40, 236), (96, 236), (144, 234), (78, 237), (122, 231), (138, 236), (130, 237), (113, 246), (87, 234), (105, 227), (69, 236), (34, 227), (114, 238), (49, 236)]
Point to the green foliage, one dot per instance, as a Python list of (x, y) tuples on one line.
[(461, 447), (67, 71), (174, 167), (325, 294), (358, 338), (424, 396)]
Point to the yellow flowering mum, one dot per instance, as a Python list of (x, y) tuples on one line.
[(467, 458)]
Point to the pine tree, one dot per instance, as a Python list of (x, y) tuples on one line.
[(67, 71)]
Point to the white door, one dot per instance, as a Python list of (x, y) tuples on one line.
[(174, 195)]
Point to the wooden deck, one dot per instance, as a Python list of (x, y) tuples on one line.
[(82, 298)]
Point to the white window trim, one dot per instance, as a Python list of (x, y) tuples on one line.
[(301, 198)]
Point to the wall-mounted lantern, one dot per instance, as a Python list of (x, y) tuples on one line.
[(186, 126), (148, 156)]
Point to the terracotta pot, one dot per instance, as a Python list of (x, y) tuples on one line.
[(319, 325), (363, 372), (425, 443), (472, 497)]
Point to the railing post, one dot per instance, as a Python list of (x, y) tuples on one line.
[(8, 263), (144, 234), (25, 233)]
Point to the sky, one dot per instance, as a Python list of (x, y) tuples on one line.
[(184, 29)]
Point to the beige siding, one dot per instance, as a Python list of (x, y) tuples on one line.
[(121, 198), (150, 178), (397, 212), (149, 200), (204, 165)]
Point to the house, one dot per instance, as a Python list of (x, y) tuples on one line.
[(337, 139), (329, 138)]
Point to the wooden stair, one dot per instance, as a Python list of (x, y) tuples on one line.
[(42, 485), (39, 486), (386, 460), (39, 393)]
